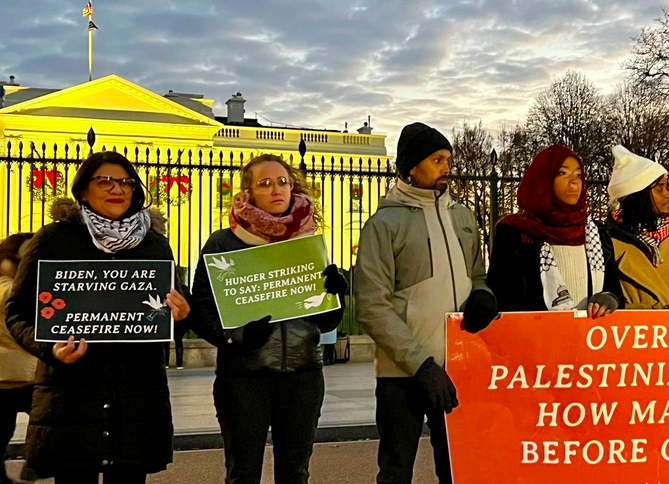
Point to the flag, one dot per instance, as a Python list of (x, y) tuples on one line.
[(91, 26), (88, 10)]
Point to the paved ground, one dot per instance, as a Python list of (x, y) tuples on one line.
[(347, 415), (348, 408), (340, 463)]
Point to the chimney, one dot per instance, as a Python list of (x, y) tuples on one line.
[(236, 109), (12, 81)]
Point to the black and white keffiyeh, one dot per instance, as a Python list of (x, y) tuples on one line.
[(113, 235), (556, 294)]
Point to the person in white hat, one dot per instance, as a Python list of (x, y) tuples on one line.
[(639, 228)]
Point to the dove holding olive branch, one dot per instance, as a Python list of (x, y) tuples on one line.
[(157, 306), (226, 268)]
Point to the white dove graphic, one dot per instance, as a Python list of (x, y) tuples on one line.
[(314, 301), (155, 304), (224, 266)]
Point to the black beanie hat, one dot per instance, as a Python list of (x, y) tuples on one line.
[(417, 142)]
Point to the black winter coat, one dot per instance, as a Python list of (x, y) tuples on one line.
[(513, 274), (109, 409), (293, 344)]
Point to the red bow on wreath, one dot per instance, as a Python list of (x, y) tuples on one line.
[(51, 175), (182, 181)]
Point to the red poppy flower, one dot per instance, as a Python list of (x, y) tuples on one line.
[(58, 303), (45, 297), (47, 313)]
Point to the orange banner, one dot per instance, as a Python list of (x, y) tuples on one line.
[(551, 398)]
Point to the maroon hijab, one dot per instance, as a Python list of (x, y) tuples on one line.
[(544, 217)]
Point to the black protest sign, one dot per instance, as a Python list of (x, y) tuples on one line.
[(104, 301)]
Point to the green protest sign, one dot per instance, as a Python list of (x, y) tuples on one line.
[(284, 280)]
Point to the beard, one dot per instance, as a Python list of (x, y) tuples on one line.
[(440, 184)]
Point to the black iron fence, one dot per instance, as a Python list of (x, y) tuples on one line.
[(194, 189)]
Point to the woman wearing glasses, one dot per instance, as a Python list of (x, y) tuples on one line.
[(104, 407), (267, 374)]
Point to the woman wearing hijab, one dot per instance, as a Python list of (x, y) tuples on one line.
[(552, 256), (639, 227)]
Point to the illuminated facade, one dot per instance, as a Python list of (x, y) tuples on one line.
[(189, 158)]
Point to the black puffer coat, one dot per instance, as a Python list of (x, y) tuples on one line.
[(111, 408), (293, 344)]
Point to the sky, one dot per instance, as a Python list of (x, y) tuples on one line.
[(321, 63)]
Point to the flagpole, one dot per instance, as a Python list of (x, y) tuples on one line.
[(90, 49)]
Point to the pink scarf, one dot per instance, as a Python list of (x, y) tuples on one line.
[(255, 226)]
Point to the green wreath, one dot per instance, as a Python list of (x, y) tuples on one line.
[(45, 193), (164, 189)]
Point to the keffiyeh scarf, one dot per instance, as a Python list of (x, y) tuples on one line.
[(113, 235), (556, 294)]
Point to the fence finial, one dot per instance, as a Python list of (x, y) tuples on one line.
[(90, 138), (303, 151)]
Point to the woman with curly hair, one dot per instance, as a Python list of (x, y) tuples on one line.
[(267, 374)]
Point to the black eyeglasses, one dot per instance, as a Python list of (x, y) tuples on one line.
[(106, 182)]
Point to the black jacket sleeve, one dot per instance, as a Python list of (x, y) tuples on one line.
[(505, 273), (611, 279), (205, 320), (20, 307)]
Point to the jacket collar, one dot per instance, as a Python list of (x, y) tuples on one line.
[(405, 195)]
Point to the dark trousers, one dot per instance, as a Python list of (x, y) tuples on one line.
[(12, 402), (178, 350), (400, 410), (180, 330), (248, 405), (118, 476)]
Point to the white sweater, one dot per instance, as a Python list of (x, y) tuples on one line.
[(573, 264)]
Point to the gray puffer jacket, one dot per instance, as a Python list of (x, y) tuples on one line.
[(293, 344), (419, 258)]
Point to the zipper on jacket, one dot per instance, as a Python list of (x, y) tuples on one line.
[(429, 251), (448, 251), (284, 346)]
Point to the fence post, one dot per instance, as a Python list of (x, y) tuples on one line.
[(494, 201)]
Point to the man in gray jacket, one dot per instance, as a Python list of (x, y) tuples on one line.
[(419, 258)]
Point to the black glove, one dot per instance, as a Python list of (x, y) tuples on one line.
[(335, 282), (438, 387), (607, 301), (480, 310), (257, 333)]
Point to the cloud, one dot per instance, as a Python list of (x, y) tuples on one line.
[(321, 63)]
